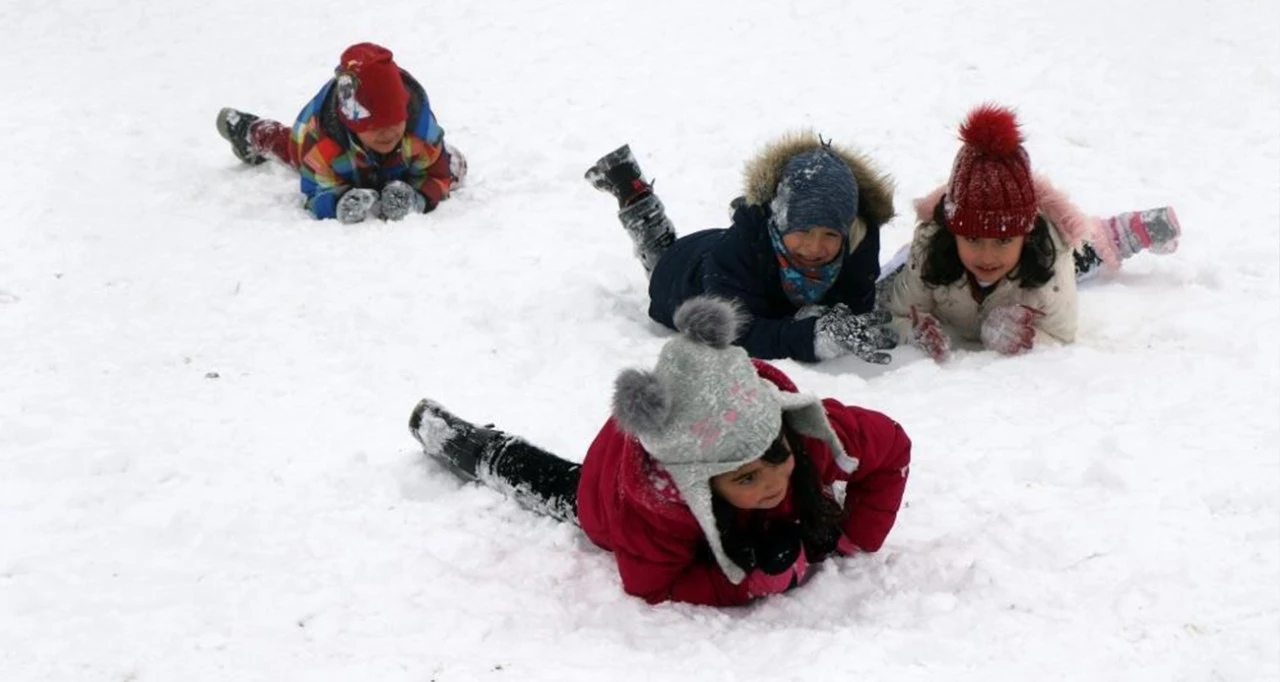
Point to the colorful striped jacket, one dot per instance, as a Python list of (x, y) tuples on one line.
[(331, 159)]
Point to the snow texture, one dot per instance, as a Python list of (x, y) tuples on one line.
[(205, 473)]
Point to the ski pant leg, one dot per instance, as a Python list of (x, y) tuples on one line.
[(271, 139), (537, 479)]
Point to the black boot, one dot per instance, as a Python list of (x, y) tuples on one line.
[(646, 222), (617, 173), (532, 476), (458, 444), (233, 126)]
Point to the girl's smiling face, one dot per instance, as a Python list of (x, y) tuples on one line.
[(989, 259)]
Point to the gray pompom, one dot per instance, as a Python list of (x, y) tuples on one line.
[(640, 402), (709, 320)]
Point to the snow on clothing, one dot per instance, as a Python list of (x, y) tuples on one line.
[(331, 159), (629, 506), (740, 262), (955, 304)]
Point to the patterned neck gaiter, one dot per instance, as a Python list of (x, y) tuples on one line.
[(803, 286)]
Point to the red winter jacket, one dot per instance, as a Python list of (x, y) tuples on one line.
[(629, 506)]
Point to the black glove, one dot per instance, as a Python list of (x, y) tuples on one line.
[(840, 332), (778, 546)]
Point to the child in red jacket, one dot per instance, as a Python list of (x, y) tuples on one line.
[(712, 482)]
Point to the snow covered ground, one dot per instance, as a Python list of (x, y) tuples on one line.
[(204, 468)]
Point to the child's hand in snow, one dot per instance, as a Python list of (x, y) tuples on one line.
[(927, 334), (356, 205), (399, 200), (1010, 329), (840, 332)]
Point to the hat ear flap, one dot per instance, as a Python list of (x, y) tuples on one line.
[(641, 402)]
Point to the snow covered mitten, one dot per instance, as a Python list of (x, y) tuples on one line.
[(927, 334), (650, 229), (1010, 329), (840, 332), (1156, 229), (356, 205), (618, 174), (451, 440), (398, 200)]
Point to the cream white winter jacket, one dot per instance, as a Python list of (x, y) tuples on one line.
[(954, 304)]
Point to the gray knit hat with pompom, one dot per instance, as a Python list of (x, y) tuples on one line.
[(704, 411)]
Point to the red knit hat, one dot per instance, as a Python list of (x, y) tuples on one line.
[(991, 193), (371, 93)]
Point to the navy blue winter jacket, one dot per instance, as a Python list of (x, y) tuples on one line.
[(739, 262)]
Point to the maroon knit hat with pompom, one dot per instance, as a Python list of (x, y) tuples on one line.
[(991, 193), (371, 93)]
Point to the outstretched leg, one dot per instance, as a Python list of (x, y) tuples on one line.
[(639, 209), (253, 139), (532, 476), (1122, 236)]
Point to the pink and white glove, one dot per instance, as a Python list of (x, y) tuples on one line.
[(846, 547), (1010, 329), (927, 334), (761, 584)]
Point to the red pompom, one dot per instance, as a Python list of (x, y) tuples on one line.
[(992, 129)]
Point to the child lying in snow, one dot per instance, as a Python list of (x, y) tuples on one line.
[(805, 237), (992, 258), (367, 145), (711, 484)]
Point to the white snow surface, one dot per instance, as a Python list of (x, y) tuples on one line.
[(205, 470)]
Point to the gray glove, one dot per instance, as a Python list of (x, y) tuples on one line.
[(399, 200), (356, 205), (840, 332)]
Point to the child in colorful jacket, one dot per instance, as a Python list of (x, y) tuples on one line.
[(367, 145), (712, 482), (998, 251), (802, 255)]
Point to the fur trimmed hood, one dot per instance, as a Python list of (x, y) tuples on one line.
[(764, 171)]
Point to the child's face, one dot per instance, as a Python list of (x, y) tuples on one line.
[(988, 259), (756, 484), (384, 139), (813, 247)]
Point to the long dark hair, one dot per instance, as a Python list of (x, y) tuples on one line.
[(818, 513), (942, 264)]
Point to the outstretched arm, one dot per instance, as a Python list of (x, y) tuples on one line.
[(875, 488)]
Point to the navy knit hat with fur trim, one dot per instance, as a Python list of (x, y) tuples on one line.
[(817, 190), (704, 411)]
